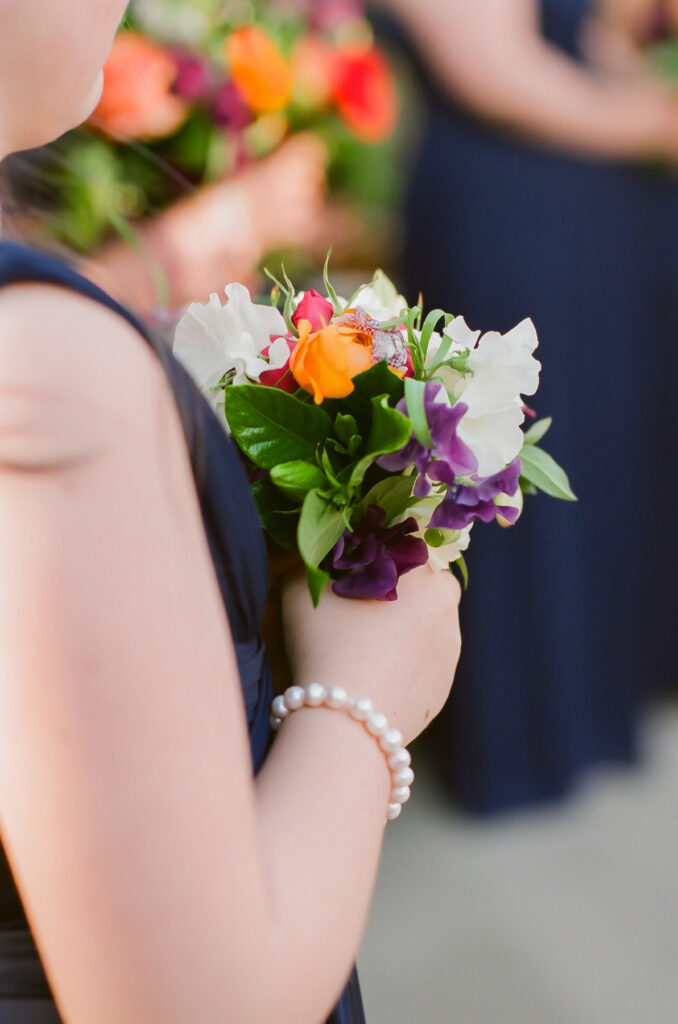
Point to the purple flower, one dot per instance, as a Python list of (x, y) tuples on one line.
[(374, 557), (230, 108), (449, 457), (196, 79), (465, 503)]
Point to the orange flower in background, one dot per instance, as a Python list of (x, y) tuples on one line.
[(137, 101), (259, 69), (365, 94), (325, 362)]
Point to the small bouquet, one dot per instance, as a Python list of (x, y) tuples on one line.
[(376, 437), (194, 90)]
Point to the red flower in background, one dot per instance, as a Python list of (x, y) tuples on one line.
[(365, 94)]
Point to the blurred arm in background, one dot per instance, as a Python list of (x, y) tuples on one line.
[(221, 232), (491, 57)]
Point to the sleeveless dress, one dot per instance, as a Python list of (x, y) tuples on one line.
[(238, 552), (569, 615)]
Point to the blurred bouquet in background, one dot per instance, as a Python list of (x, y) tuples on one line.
[(376, 437), (196, 90)]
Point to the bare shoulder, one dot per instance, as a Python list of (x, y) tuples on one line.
[(72, 373)]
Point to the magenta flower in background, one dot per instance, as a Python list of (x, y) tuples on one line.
[(314, 308), (230, 108), (196, 79), (449, 457), (464, 503), (375, 557)]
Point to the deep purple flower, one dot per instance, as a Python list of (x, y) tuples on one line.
[(196, 78), (230, 108), (449, 457), (465, 503), (374, 557)]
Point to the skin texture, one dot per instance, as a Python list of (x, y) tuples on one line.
[(140, 843), (162, 883), (492, 58)]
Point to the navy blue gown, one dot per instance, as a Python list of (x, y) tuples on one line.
[(238, 552), (570, 615)]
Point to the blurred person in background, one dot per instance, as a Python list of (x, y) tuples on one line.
[(215, 234), (545, 187)]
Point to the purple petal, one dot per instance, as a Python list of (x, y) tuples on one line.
[(376, 582)]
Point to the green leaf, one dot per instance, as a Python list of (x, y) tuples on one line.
[(545, 473), (272, 427), (461, 571), (378, 380), (416, 410), (317, 580), (297, 478), (320, 527), (345, 427), (390, 431), (394, 495), (279, 516), (537, 430), (526, 487), (439, 538), (430, 324)]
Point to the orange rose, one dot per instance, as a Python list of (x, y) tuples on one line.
[(137, 101), (325, 362), (259, 70)]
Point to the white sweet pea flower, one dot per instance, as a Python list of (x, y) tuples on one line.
[(211, 339), (503, 368), (440, 558), (379, 299), (463, 338)]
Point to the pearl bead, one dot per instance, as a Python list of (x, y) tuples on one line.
[(294, 697), (275, 723), (279, 708), (391, 741), (377, 724), (401, 759), (405, 777), (400, 795), (361, 709), (314, 695), (393, 812), (336, 697)]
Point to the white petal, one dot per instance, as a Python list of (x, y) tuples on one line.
[(278, 354), (461, 334)]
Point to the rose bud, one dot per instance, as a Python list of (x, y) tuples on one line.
[(314, 308)]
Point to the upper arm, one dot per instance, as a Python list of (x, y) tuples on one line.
[(126, 798), (472, 47)]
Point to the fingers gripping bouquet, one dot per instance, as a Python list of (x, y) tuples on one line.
[(376, 437)]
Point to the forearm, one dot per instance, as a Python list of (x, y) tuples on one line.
[(492, 58), (322, 799)]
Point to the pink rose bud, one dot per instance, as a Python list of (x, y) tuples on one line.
[(314, 308), (282, 378)]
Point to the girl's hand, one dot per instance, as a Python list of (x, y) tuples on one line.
[(402, 654)]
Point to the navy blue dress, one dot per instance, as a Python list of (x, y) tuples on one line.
[(565, 622), (238, 551)]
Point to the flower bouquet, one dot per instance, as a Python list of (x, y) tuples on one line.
[(376, 437), (194, 90)]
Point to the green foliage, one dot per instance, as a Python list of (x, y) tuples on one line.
[(295, 479), (415, 391), (544, 473), (272, 427), (320, 527), (538, 430)]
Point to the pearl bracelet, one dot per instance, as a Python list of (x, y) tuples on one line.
[(390, 740)]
